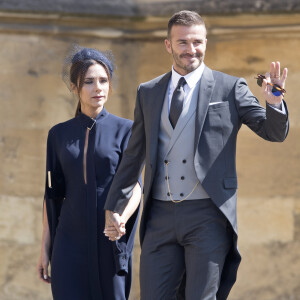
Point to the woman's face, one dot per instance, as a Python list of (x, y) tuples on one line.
[(94, 91)]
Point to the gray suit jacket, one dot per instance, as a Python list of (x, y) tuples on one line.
[(225, 103)]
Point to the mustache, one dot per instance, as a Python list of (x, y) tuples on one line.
[(197, 55)]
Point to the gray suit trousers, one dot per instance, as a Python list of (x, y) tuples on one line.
[(192, 236)]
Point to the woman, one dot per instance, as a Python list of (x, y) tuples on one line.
[(82, 157)]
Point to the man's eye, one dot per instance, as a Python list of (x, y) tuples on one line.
[(88, 82), (104, 80)]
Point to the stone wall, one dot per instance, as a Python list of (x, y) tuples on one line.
[(33, 98), (143, 8)]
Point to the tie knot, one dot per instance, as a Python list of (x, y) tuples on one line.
[(181, 82)]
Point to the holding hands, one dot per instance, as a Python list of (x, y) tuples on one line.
[(114, 225)]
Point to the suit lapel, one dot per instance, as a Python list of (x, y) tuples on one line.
[(205, 93), (158, 96)]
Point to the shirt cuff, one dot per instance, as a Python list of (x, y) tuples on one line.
[(278, 107)]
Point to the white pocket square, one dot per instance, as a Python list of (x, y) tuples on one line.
[(213, 103)]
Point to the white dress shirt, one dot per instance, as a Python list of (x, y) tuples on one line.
[(191, 79)]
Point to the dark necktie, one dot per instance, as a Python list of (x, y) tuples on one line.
[(177, 102)]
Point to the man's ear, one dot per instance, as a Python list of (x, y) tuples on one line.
[(168, 46)]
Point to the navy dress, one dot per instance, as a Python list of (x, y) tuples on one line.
[(82, 157)]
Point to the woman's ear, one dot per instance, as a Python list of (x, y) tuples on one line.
[(74, 88)]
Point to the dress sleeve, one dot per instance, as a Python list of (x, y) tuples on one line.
[(55, 186)]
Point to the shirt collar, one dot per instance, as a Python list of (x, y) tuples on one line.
[(191, 78)]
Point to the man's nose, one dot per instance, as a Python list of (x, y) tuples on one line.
[(191, 48)]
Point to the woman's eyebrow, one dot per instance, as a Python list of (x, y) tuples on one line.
[(96, 77)]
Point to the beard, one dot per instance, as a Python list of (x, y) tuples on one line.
[(187, 67)]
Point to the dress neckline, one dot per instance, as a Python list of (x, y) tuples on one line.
[(90, 122)]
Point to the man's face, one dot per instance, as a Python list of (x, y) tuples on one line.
[(187, 44)]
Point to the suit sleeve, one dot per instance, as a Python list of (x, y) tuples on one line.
[(55, 186), (123, 248), (131, 165), (268, 123), (124, 146)]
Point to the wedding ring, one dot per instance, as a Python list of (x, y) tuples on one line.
[(277, 76)]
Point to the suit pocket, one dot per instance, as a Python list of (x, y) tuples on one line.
[(230, 183), (217, 105)]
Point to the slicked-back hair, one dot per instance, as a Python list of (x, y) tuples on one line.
[(185, 18)]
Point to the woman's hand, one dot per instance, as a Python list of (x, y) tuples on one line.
[(114, 225), (43, 266), (112, 233)]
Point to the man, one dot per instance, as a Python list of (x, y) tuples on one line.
[(185, 129)]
